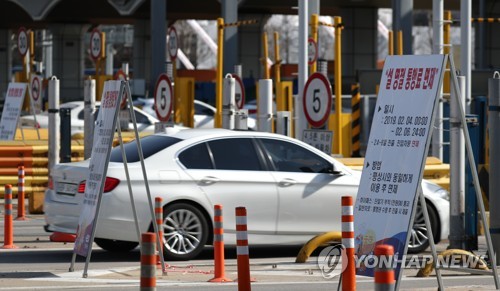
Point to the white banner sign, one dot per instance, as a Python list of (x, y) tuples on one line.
[(11, 109), (103, 138), (396, 152)]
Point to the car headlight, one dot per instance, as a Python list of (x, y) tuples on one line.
[(442, 193)]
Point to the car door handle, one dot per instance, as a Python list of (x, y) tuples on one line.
[(208, 180), (287, 183)]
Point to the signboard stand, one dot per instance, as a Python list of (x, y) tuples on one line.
[(112, 124), (391, 181)]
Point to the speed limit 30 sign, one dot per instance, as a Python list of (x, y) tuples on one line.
[(95, 44), (22, 41), (317, 101), (163, 98)]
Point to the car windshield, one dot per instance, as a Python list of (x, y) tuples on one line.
[(150, 146)]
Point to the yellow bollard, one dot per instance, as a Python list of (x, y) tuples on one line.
[(218, 81), (265, 56), (314, 35)]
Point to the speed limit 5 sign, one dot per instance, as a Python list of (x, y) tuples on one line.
[(317, 101), (163, 98)]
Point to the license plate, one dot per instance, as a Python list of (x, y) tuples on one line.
[(67, 189)]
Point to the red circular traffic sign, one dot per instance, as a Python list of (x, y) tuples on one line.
[(317, 100), (163, 98), (121, 76), (312, 51), (95, 44), (173, 43), (35, 88), (22, 41), (239, 91)]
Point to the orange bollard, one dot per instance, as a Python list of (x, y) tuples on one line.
[(8, 223), (220, 275), (349, 267), (384, 275), (20, 194), (148, 261), (243, 259), (159, 222)]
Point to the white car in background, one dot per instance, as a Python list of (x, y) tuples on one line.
[(145, 122), (203, 113), (292, 192)]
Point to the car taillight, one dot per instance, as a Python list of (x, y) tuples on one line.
[(51, 183), (109, 185)]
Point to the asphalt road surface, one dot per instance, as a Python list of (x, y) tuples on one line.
[(39, 264)]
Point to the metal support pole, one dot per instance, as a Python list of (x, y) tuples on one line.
[(457, 169), (494, 182), (229, 102), (88, 117), (54, 124), (158, 16), (437, 34), (465, 47), (265, 105), (470, 155), (65, 152), (337, 22), (109, 59), (300, 118)]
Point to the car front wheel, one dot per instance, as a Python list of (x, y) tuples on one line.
[(185, 231), (419, 236)]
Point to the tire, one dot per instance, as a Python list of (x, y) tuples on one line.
[(185, 230), (116, 246), (419, 240)]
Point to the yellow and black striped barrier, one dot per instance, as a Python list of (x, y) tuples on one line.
[(482, 19), (356, 120), (241, 22)]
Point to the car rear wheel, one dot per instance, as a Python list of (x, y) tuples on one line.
[(185, 231), (419, 236), (116, 246)]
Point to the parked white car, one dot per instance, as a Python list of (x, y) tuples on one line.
[(145, 122), (203, 113), (291, 190)]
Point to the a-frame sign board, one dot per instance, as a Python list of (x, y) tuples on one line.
[(104, 131), (390, 186)]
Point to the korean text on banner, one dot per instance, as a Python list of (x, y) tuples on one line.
[(395, 155), (11, 109), (99, 159)]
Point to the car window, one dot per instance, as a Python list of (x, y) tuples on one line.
[(150, 145), (140, 118), (202, 110), (289, 157), (235, 154), (196, 157)]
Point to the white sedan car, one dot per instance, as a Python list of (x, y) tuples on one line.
[(203, 113), (291, 190), (145, 122)]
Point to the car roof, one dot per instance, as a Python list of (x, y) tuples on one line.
[(192, 133)]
